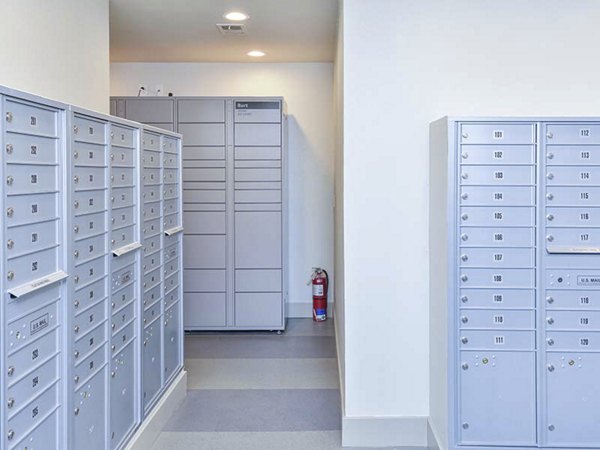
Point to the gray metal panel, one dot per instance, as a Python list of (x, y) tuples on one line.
[(258, 240), (150, 110), (210, 253), (204, 310), (260, 134), (258, 309), (206, 134), (202, 110)]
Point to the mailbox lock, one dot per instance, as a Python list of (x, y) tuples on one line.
[(551, 427), (549, 135), (112, 241), (11, 433), (113, 374), (113, 304), (549, 238), (76, 278), (464, 237), (75, 155), (76, 378), (465, 340), (464, 319), (112, 199), (465, 366), (550, 300), (10, 243), (112, 347), (9, 180), (550, 320), (76, 353), (76, 411), (76, 253), (76, 303), (550, 368), (550, 341), (464, 299), (112, 134), (75, 129), (11, 402), (76, 179), (76, 328), (549, 196), (465, 135), (10, 275), (464, 257), (464, 278), (464, 155), (10, 371), (464, 216), (465, 426), (113, 326), (550, 155), (9, 148), (76, 204), (76, 228), (9, 116), (145, 342), (550, 176), (10, 212), (550, 217), (112, 178), (464, 176)]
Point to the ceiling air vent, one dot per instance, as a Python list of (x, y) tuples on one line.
[(231, 29)]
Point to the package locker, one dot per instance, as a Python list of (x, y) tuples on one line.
[(513, 212), (234, 182), (72, 332)]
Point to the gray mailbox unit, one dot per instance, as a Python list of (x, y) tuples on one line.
[(515, 282), (235, 205), (73, 339)]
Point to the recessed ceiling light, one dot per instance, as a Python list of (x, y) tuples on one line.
[(236, 15), (256, 53)]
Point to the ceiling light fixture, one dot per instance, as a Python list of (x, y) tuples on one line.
[(256, 53), (236, 16)]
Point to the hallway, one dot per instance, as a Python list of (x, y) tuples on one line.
[(259, 390)]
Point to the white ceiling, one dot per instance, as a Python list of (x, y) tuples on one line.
[(185, 31)]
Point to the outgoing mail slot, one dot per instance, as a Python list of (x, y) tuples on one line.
[(171, 221), (573, 156), (170, 206), (572, 238), (579, 133), (25, 149), (497, 237), (151, 176), (122, 317), (28, 209), (88, 319), (168, 241), (497, 154), (87, 249), (516, 258), (121, 137), (572, 217), (28, 418), (151, 159), (151, 314), (497, 340), (29, 387), (123, 276), (170, 175), (510, 278), (171, 282), (497, 175), (122, 338), (18, 307), (89, 178), (497, 216), (573, 176), (170, 161), (151, 141), (572, 299), (89, 295), (151, 228), (152, 296), (26, 179), (30, 238), (573, 278), (500, 319), (151, 210), (89, 225), (572, 196), (88, 154), (88, 272), (86, 130), (151, 262), (88, 202), (32, 326), (31, 356), (121, 297), (170, 145), (89, 424), (122, 237), (30, 119), (573, 320), (122, 177), (171, 297), (124, 217), (86, 366), (258, 174), (497, 298), (23, 269), (151, 245), (497, 133), (151, 193), (122, 197), (121, 157), (123, 261), (151, 279), (577, 341)]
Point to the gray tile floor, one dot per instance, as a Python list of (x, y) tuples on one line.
[(259, 390)]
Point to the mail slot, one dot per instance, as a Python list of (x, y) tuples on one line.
[(121, 137), (151, 176), (151, 194), (170, 191), (171, 175), (573, 176), (151, 228), (170, 206), (122, 338), (151, 210), (576, 133), (89, 272), (88, 344), (88, 295), (29, 209), (575, 341), (511, 278), (122, 297), (30, 179), (32, 326), (171, 221), (87, 202), (18, 307), (497, 237), (170, 145), (122, 237), (88, 154), (572, 299), (30, 267), (151, 141), (122, 197), (516, 258), (572, 238), (170, 267), (87, 366), (122, 177), (151, 244), (497, 319), (493, 195), (151, 314), (151, 262), (171, 282), (498, 298), (25, 149), (497, 154), (88, 225), (497, 216), (152, 296), (572, 217), (31, 238), (572, 196), (30, 119), (573, 320), (151, 159), (86, 249), (87, 130), (171, 297), (170, 161), (122, 157), (89, 178), (497, 175), (122, 318), (151, 279), (123, 261), (564, 155), (30, 356), (124, 217), (497, 340), (87, 319)]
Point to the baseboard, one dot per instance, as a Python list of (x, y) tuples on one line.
[(148, 433), (432, 441), (303, 310), (406, 433), (341, 373)]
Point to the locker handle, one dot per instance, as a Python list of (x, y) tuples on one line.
[(126, 249), (36, 285), (174, 230)]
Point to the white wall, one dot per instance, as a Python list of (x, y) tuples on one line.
[(460, 58), (308, 91), (57, 49)]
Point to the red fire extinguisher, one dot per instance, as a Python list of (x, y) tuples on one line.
[(320, 286)]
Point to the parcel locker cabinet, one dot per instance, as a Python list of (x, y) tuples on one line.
[(34, 269), (515, 282), (155, 111)]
